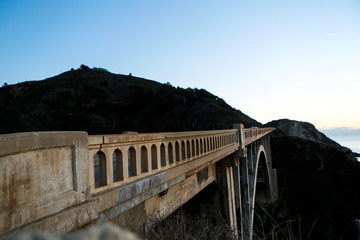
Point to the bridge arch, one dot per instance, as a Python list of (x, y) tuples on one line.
[(260, 186), (263, 180)]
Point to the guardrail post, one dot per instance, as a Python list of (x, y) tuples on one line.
[(240, 134)]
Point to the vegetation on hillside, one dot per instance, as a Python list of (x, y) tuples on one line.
[(97, 101)]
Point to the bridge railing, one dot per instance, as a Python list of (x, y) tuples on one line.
[(253, 134), (116, 160)]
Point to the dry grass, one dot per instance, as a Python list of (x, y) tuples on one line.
[(284, 230), (180, 226)]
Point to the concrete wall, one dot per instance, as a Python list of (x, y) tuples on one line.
[(41, 174)]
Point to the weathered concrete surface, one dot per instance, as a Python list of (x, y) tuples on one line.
[(110, 204), (103, 232), (121, 199), (65, 221), (159, 206), (47, 179), (41, 174)]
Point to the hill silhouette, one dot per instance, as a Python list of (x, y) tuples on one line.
[(97, 101)]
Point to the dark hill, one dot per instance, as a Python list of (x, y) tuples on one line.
[(319, 181), (97, 101)]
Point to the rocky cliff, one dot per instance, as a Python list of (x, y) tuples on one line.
[(319, 182)]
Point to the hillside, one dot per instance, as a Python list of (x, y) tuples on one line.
[(97, 101), (318, 180)]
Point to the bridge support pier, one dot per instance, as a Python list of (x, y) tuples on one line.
[(225, 181), (254, 170)]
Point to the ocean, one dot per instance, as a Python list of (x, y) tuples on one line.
[(350, 141)]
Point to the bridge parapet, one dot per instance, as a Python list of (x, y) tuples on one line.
[(254, 134), (116, 160)]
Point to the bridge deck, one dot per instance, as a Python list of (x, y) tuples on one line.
[(64, 174)]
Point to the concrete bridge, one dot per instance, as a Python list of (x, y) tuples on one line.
[(63, 181)]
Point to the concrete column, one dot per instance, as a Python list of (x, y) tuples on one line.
[(246, 206), (158, 146), (226, 195), (124, 152), (138, 160), (167, 163), (148, 150), (240, 134), (109, 165), (231, 197), (238, 198)]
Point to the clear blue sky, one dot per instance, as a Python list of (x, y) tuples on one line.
[(270, 59)]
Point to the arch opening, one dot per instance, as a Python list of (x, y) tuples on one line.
[(117, 166), (162, 155), (154, 164), (188, 149), (100, 169), (262, 180), (183, 155), (177, 152), (132, 162), (144, 159)]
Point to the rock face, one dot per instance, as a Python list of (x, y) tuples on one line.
[(319, 182), (304, 130), (100, 102)]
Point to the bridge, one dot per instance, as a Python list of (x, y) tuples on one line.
[(63, 181)]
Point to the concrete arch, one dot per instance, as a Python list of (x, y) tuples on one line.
[(132, 161), (144, 159), (262, 178), (170, 153), (183, 152), (100, 169), (260, 183), (154, 160), (177, 151), (117, 165), (263, 181), (162, 155)]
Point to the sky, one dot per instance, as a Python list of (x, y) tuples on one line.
[(270, 59)]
